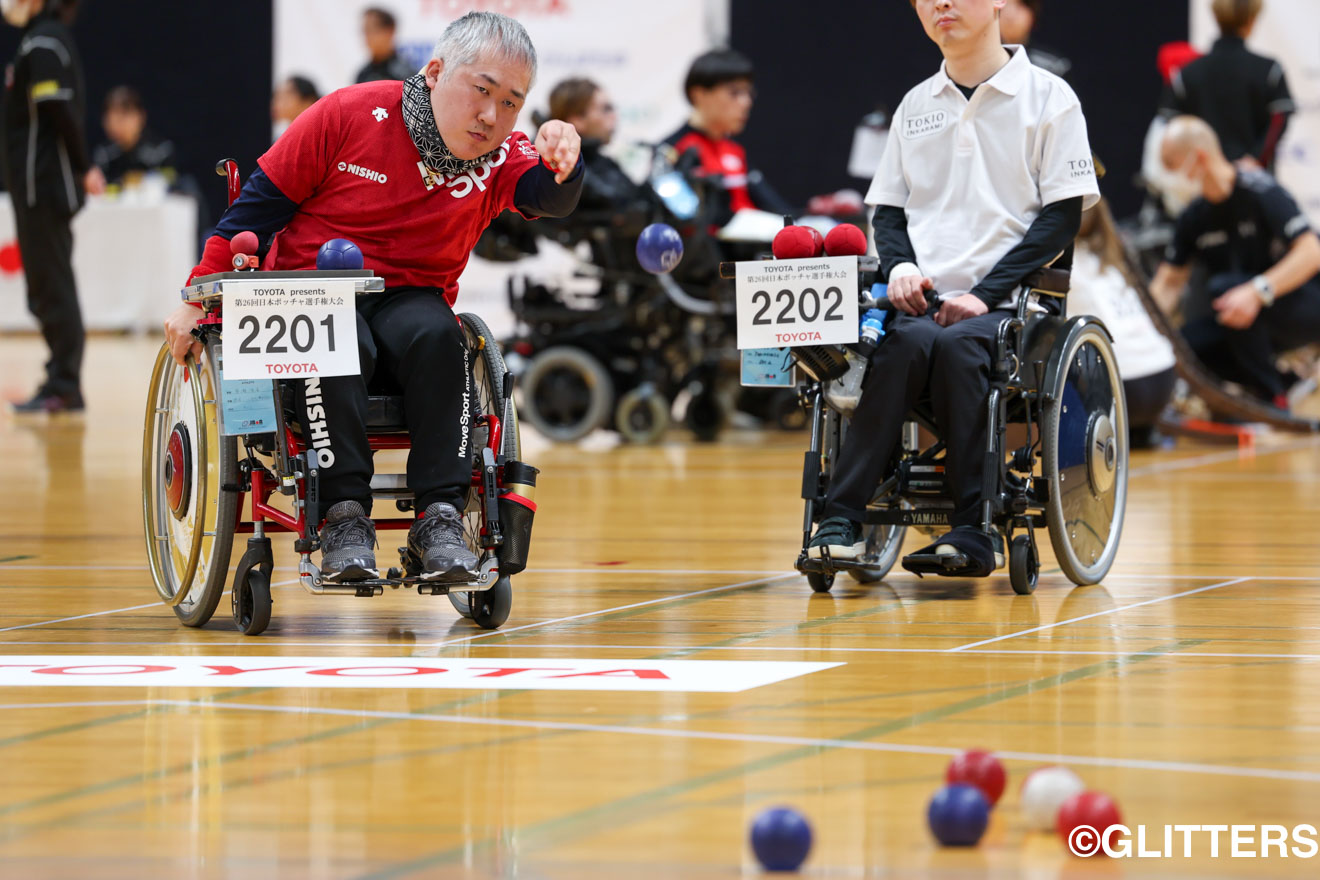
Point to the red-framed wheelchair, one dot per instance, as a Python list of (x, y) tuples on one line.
[(203, 484)]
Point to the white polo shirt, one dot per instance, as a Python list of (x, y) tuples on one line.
[(973, 175)]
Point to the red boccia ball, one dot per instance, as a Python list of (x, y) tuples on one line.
[(817, 241), (845, 240), (793, 243), (1093, 808), (981, 769)]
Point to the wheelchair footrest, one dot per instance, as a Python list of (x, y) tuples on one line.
[(949, 564)]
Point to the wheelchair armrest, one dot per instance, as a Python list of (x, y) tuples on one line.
[(1052, 282)]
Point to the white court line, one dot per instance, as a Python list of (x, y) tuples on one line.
[(1024, 632), (79, 617), (660, 601), (671, 733)]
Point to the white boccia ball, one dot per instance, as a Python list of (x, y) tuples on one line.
[(1043, 793)]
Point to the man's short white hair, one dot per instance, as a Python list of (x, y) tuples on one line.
[(479, 35)]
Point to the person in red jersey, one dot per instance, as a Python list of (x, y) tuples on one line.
[(412, 172), (719, 88)]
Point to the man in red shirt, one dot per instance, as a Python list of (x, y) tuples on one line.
[(412, 172)]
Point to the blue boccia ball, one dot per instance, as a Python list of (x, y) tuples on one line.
[(781, 839), (659, 248), (958, 815), (339, 253)]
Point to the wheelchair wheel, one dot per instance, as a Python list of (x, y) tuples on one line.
[(488, 371), (489, 609), (883, 546), (566, 393), (1085, 444), (1023, 566), (820, 581), (188, 515), (252, 603), (642, 415)]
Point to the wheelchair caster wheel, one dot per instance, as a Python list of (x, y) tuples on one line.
[(252, 603), (642, 415), (1023, 565), (820, 581), (490, 608)]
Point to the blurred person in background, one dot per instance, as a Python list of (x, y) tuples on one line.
[(290, 99), (1016, 22), (587, 107), (719, 86), (1260, 253), (378, 27), (133, 150), (1101, 287), (48, 174), (1243, 96)]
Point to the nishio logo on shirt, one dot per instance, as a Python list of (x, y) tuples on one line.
[(365, 173)]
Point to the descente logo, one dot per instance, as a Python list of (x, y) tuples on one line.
[(365, 173)]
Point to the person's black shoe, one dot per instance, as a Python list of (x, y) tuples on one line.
[(839, 536), (348, 542), (964, 552), (46, 402), (436, 547)]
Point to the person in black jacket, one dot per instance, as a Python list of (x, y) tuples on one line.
[(378, 27), (48, 174), (133, 151), (1243, 96), (1016, 22), (585, 105)]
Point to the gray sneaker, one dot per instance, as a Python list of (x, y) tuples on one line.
[(348, 541), (436, 547)]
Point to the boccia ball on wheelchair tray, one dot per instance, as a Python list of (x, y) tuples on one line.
[(781, 839), (659, 248), (339, 253)]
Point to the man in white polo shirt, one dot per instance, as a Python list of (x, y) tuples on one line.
[(983, 182)]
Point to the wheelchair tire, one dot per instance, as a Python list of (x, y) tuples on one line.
[(189, 505), (642, 416), (566, 393), (1085, 451), (488, 370), (252, 604), (1023, 566), (490, 608), (884, 544), (820, 581)]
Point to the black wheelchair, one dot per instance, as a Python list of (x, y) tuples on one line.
[(194, 480), (1055, 389)]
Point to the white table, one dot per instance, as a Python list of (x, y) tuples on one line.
[(130, 260)]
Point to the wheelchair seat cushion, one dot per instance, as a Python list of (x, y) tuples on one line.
[(385, 414)]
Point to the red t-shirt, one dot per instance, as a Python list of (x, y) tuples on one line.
[(350, 165), (723, 159)]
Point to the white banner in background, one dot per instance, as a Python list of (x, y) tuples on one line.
[(1288, 30), (638, 52)]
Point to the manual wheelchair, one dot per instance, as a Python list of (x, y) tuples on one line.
[(1054, 376), (194, 481)]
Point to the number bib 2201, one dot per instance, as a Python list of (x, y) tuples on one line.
[(290, 329), (787, 303)]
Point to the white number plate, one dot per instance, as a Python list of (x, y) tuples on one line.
[(785, 303), (290, 329)]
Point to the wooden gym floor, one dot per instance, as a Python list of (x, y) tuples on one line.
[(1184, 685)]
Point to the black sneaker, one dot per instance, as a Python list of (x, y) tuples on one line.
[(840, 536), (436, 547), (348, 542), (49, 403)]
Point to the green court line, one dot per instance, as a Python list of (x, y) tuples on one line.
[(645, 804), (16, 558)]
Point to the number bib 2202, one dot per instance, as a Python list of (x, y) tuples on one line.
[(290, 329), (786, 303)]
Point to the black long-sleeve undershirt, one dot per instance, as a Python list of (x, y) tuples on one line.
[(1050, 235)]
